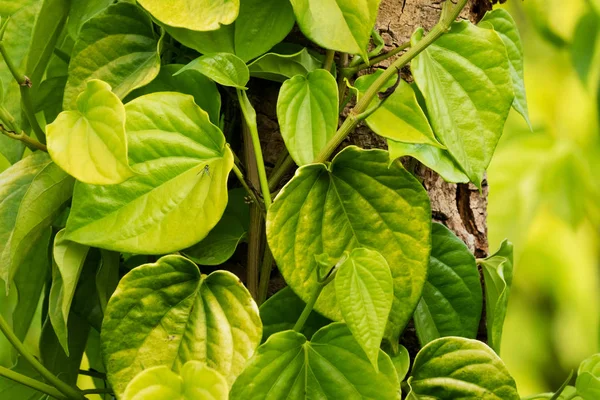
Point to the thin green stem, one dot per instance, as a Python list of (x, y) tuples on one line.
[(30, 142), (62, 55), (308, 308), (69, 391), (354, 69), (32, 383), (98, 391), (265, 275), (329, 55), (19, 77), (30, 113), (242, 180), (341, 81), (279, 172), (93, 374)]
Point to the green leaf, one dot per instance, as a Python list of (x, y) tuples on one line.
[(365, 292), (204, 90), (465, 79), (401, 362), (181, 162), (13, 390), (117, 46), (281, 311), (185, 13), (82, 11), (400, 117), (583, 45), (452, 299), (219, 41), (8, 305), (89, 143), (223, 239), (171, 314), (504, 24), (458, 368), (49, 97), (107, 277), (196, 381), (331, 366), (307, 110), (280, 67), (10, 7), (224, 68), (342, 25), (69, 258), (569, 393), (355, 202), (497, 273), (588, 378)]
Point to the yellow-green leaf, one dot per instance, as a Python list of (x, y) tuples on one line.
[(197, 15)]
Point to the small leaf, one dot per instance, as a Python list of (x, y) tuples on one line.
[(279, 67), (81, 12), (401, 362), (400, 117), (219, 41), (583, 45), (171, 314), (331, 366), (452, 299), (107, 277), (185, 13), (588, 378), (89, 143), (307, 110), (117, 46), (458, 368), (365, 292), (197, 381), (224, 68), (497, 273), (49, 97)]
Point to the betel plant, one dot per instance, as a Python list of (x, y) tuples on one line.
[(117, 187)]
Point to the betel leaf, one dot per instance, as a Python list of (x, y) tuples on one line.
[(167, 313), (219, 41), (465, 79), (331, 366), (69, 258), (504, 24), (89, 142), (307, 110), (195, 381), (118, 46), (588, 378), (281, 312), (179, 191), (49, 97), (401, 362), (497, 273), (356, 201), (224, 68), (365, 291), (400, 117), (223, 239), (204, 90), (435, 158), (185, 13), (452, 300), (81, 12), (453, 367), (342, 25), (279, 67)]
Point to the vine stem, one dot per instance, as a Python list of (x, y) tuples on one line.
[(32, 383), (242, 180), (328, 60), (308, 308), (68, 391), (30, 142), (346, 72), (280, 171), (265, 275)]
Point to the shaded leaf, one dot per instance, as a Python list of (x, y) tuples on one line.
[(280, 67), (588, 378), (224, 68), (401, 362), (49, 97), (107, 277), (82, 11)]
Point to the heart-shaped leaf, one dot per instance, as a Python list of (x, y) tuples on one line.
[(89, 143), (181, 162), (224, 68), (365, 292), (167, 313), (187, 14), (458, 368), (588, 378), (307, 110), (452, 299), (331, 366), (465, 79), (358, 201), (196, 381), (279, 67), (118, 46)]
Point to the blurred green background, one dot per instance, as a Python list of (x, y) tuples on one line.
[(544, 195)]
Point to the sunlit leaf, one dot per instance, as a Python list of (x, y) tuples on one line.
[(282, 66), (224, 68), (588, 378), (401, 362), (185, 13)]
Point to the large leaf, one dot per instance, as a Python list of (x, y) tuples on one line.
[(498, 273), (182, 164), (196, 381), (167, 313), (400, 117), (197, 15), (465, 79), (452, 299), (281, 312), (204, 90), (307, 110), (224, 68), (588, 378), (69, 258), (223, 239), (118, 46), (280, 67), (342, 25), (355, 202), (331, 366), (505, 26), (365, 292), (89, 143), (457, 368)]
